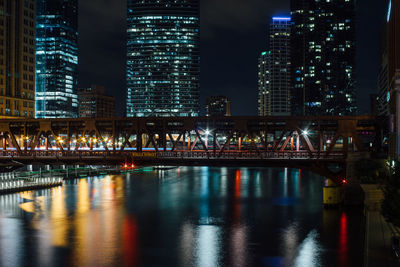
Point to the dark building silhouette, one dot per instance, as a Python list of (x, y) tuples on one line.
[(218, 106), (56, 59), (94, 103), (383, 77), (17, 58), (393, 76), (323, 57), (163, 58)]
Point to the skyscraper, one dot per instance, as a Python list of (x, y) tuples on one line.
[(163, 58), (323, 57), (383, 78), (57, 59), (274, 71), (264, 99), (17, 58)]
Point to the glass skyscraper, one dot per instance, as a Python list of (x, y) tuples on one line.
[(323, 57), (163, 58), (56, 58), (274, 71)]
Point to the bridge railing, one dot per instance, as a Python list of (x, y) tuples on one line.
[(252, 155), (286, 155)]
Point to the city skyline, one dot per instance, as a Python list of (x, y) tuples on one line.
[(176, 176), (220, 42)]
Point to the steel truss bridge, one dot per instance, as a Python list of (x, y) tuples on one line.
[(298, 142)]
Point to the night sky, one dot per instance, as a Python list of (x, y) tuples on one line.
[(233, 33)]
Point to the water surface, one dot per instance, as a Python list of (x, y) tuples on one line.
[(189, 216)]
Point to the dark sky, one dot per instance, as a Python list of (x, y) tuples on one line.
[(233, 33)]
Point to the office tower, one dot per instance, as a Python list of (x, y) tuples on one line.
[(218, 106), (163, 58), (17, 58), (264, 99), (323, 57), (94, 103), (279, 67), (56, 58)]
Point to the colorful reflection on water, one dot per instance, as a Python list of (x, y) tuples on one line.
[(189, 216)]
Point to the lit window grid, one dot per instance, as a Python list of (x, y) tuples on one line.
[(163, 66)]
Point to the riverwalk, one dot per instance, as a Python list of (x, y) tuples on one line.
[(14, 182), (378, 232)]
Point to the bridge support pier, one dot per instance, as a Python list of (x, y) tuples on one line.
[(353, 194), (332, 194)]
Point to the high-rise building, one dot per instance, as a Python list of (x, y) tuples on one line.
[(17, 58), (264, 99), (383, 79), (94, 103), (163, 58), (56, 59), (323, 57), (274, 70), (218, 106)]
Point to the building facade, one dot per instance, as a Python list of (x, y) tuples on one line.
[(383, 77), (264, 99), (163, 58), (393, 76), (218, 106), (17, 58), (57, 59), (323, 57), (94, 103)]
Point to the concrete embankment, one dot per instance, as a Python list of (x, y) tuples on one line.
[(29, 187), (16, 185)]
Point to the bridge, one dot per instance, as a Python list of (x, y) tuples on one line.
[(314, 143)]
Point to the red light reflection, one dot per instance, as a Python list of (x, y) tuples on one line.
[(343, 241), (130, 242)]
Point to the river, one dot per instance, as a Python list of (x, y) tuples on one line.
[(187, 216)]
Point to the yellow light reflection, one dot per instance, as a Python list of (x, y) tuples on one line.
[(27, 195), (109, 219), (82, 223), (58, 217), (28, 207)]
